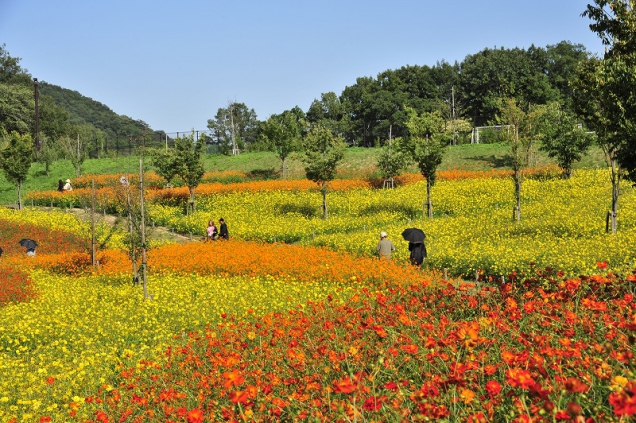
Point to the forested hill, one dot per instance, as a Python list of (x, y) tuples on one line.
[(84, 110)]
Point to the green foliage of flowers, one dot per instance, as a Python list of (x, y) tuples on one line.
[(562, 225)]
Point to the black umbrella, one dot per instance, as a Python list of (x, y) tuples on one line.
[(414, 235), (29, 244)]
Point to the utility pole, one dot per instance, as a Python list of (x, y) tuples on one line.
[(453, 113), (38, 146), (144, 264)]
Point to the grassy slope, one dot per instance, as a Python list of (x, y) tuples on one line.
[(469, 157)]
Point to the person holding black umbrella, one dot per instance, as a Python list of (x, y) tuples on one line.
[(30, 245), (416, 238)]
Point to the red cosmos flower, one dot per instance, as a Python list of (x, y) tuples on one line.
[(519, 378), (391, 386), (624, 401), (409, 348), (195, 416), (372, 404), (574, 409), (238, 397), (344, 386), (251, 391), (101, 416), (45, 419), (493, 388), (601, 264), (50, 380), (573, 384)]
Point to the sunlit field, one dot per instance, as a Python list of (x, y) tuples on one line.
[(294, 319)]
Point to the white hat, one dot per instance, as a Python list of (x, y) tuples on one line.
[(383, 235), (68, 181)]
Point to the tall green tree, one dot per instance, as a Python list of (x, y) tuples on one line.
[(10, 70), (328, 112), (491, 75), (615, 23), (282, 134), (16, 108), (16, 160), (425, 145), (234, 127), (561, 136), (322, 152)]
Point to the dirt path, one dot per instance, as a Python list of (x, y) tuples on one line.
[(156, 233)]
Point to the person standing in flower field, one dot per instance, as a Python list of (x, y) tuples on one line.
[(223, 233), (67, 185), (418, 253), (385, 247)]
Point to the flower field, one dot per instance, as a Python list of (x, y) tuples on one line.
[(294, 320), (563, 222)]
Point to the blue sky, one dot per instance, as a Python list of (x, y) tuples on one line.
[(172, 64)]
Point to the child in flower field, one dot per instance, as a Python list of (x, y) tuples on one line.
[(212, 232)]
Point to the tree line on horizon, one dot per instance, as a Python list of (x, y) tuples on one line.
[(366, 113)]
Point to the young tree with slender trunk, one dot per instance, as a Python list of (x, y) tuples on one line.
[(282, 134), (189, 164), (518, 133), (323, 152), (595, 102), (425, 144), (16, 158)]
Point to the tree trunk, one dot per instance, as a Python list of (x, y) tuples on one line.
[(517, 209), (191, 202), (19, 195), (283, 170), (615, 194), (144, 262), (323, 189), (429, 204)]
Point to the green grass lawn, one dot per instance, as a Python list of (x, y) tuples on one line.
[(468, 157)]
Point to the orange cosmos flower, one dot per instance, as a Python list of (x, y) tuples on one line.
[(238, 397), (467, 396), (344, 386), (233, 378)]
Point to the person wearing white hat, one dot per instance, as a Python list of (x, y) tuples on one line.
[(385, 247), (67, 185)]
